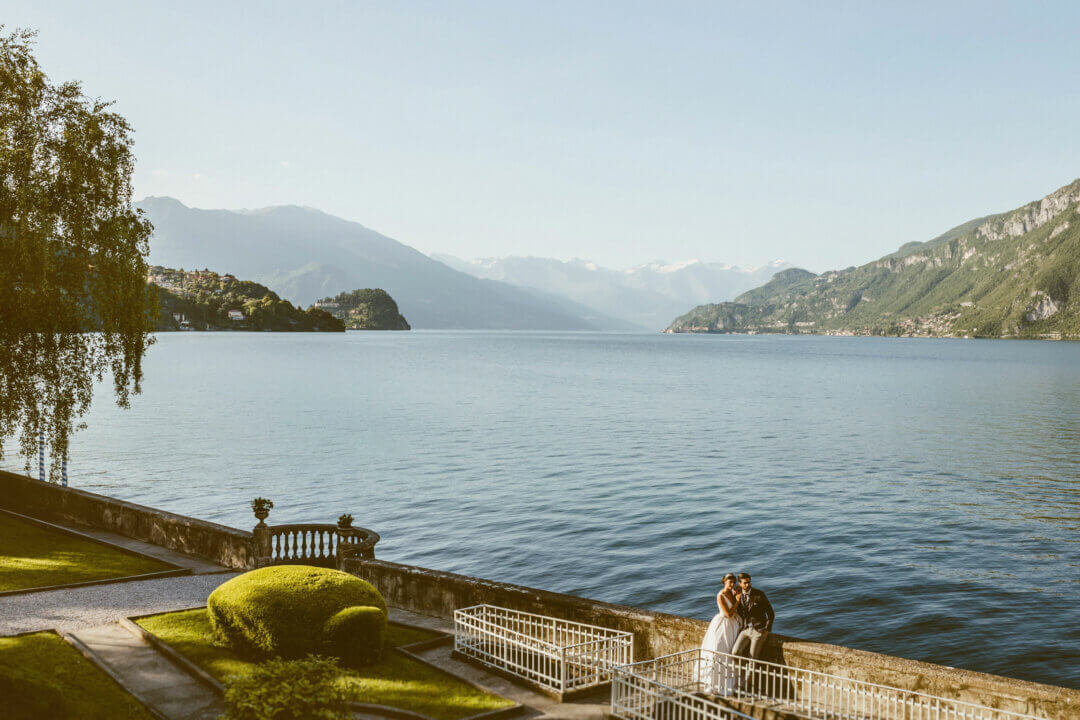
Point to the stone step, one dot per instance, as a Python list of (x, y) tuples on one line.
[(149, 676)]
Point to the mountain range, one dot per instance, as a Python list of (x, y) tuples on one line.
[(647, 295), (1013, 274), (305, 254)]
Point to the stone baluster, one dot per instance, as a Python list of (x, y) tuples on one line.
[(314, 544)]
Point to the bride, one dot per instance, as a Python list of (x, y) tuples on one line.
[(717, 674)]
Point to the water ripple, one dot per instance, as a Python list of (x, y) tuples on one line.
[(918, 498)]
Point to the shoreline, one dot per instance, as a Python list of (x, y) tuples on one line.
[(839, 333)]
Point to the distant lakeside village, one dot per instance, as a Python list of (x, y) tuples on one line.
[(205, 300)]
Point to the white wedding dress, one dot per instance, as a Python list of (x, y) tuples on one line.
[(717, 675)]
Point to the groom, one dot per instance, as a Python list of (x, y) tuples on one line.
[(757, 617)]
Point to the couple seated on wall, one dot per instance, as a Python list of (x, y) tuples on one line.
[(743, 624)]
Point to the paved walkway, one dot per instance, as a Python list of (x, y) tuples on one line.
[(78, 608), (92, 613), (150, 676)]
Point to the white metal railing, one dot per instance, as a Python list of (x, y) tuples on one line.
[(557, 655), (699, 678), (667, 688)]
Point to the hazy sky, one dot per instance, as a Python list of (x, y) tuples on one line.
[(825, 134)]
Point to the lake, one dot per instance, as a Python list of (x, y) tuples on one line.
[(918, 498)]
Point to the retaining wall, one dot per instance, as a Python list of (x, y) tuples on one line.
[(437, 593), (217, 543)]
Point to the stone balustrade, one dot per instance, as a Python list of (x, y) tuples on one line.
[(317, 544), (324, 545)]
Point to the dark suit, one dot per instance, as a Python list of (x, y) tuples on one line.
[(756, 613)]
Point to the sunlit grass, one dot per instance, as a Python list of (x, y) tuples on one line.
[(32, 556), (396, 680), (43, 677)]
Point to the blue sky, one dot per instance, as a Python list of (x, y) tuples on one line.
[(825, 134)]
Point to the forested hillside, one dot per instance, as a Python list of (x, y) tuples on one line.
[(1016, 274), (365, 309), (204, 300)]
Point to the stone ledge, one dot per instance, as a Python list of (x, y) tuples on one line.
[(219, 544), (438, 594)]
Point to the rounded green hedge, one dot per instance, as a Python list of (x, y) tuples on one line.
[(356, 634), (283, 610)]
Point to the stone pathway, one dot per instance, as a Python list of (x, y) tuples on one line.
[(149, 676), (91, 614), (75, 609)]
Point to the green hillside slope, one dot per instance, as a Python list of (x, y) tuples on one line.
[(204, 300), (365, 309), (1016, 274)]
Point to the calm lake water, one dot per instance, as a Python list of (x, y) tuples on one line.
[(914, 497)]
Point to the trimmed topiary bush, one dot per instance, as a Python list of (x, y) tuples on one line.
[(356, 634), (283, 610)]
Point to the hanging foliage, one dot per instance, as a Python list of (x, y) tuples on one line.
[(73, 295)]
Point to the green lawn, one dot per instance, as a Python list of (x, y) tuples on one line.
[(32, 556), (42, 677), (396, 680)]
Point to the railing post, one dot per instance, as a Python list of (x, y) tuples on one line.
[(346, 549), (262, 544), (562, 674), (63, 473), (41, 455), (261, 532)]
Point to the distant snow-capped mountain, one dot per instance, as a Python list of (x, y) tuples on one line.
[(304, 254), (643, 295)]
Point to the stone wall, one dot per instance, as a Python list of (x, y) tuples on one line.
[(436, 593), (209, 541)]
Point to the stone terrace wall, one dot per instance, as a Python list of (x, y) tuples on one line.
[(209, 541), (436, 593)]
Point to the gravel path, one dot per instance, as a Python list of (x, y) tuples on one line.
[(77, 608)]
